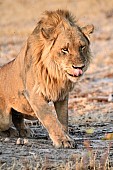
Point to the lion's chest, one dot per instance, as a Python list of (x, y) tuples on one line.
[(55, 91)]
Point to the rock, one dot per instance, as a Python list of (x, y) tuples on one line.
[(6, 139), (21, 141), (110, 98), (26, 141)]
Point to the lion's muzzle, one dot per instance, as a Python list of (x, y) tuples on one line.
[(76, 71)]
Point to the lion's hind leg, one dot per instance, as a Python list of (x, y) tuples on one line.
[(6, 122), (5, 116)]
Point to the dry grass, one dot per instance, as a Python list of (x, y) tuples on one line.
[(88, 160)]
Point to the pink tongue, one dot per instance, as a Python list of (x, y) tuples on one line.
[(77, 72)]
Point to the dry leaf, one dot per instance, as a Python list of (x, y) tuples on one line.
[(108, 136), (90, 131)]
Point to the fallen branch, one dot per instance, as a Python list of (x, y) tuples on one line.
[(102, 98)]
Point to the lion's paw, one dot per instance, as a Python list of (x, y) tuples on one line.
[(65, 142)]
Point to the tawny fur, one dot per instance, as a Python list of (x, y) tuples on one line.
[(42, 73)]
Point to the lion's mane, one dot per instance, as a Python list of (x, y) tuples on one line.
[(51, 80)]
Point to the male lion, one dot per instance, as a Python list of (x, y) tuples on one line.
[(53, 59)]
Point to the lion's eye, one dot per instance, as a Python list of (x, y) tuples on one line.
[(65, 50), (82, 47)]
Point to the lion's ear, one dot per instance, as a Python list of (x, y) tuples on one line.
[(88, 29), (46, 32)]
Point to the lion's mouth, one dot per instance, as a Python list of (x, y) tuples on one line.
[(76, 73)]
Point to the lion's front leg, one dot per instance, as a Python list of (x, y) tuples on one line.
[(50, 122), (61, 108)]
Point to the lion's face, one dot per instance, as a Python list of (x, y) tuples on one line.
[(65, 46), (70, 52)]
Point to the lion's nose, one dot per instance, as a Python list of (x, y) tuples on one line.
[(78, 67)]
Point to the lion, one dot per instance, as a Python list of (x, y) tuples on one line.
[(53, 59)]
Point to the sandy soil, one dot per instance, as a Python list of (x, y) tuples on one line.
[(91, 114)]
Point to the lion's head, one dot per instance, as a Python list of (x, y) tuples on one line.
[(60, 47)]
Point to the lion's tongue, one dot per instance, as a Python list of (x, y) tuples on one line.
[(77, 72)]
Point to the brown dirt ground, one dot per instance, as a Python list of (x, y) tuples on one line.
[(91, 114)]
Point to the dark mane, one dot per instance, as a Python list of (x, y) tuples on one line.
[(55, 17), (51, 19)]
